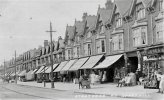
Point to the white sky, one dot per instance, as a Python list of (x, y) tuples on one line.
[(21, 33)]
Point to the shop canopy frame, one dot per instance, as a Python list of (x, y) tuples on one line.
[(92, 61), (109, 60), (69, 65), (79, 63), (49, 69), (23, 73), (40, 69), (62, 64)]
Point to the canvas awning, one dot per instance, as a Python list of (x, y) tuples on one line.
[(108, 61), (62, 64), (44, 69), (49, 69), (68, 65), (92, 61), (34, 71), (78, 64), (13, 74), (22, 73), (30, 75), (40, 69)]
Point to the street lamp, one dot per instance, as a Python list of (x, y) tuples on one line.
[(51, 58)]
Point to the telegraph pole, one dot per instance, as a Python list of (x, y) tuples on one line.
[(51, 58), (15, 69)]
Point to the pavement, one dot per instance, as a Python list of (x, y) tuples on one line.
[(108, 89)]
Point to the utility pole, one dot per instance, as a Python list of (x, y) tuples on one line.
[(51, 58), (15, 69)]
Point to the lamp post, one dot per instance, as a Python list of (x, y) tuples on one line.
[(51, 58)]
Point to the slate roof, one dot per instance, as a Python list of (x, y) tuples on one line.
[(91, 21), (61, 43), (145, 2), (123, 5), (79, 27), (105, 14), (55, 45), (70, 31)]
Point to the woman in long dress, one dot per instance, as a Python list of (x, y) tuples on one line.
[(161, 84), (92, 76)]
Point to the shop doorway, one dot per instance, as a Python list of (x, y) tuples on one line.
[(110, 74), (133, 64)]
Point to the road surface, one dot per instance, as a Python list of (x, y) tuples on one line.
[(11, 91)]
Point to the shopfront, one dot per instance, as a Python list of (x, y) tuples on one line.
[(153, 61)]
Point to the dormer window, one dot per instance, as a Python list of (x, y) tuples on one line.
[(89, 34), (118, 20), (102, 29), (140, 11), (161, 4)]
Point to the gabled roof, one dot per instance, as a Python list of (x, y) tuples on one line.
[(104, 14), (55, 43), (47, 49), (145, 2), (123, 6), (79, 27), (70, 31), (60, 44), (91, 21)]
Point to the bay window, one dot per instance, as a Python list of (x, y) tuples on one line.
[(102, 45), (159, 32), (140, 36), (69, 54), (117, 42), (78, 52)]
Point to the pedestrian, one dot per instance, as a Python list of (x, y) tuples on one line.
[(158, 75), (92, 77), (80, 81), (121, 82), (161, 84)]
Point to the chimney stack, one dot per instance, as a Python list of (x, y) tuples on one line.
[(45, 43), (84, 16)]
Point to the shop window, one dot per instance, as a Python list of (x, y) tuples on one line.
[(140, 36), (117, 42), (102, 45), (140, 11), (118, 20), (161, 4), (159, 32)]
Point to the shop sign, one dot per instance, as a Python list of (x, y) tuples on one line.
[(155, 51)]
